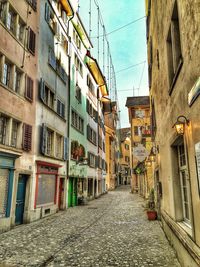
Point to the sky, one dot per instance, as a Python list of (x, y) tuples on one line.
[(127, 46)]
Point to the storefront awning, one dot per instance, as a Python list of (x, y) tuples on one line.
[(96, 73), (67, 7)]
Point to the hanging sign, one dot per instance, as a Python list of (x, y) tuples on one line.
[(140, 152)]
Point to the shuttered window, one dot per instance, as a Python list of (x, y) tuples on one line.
[(31, 41), (27, 137), (29, 88)]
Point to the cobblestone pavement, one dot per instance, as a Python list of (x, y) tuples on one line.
[(110, 231)]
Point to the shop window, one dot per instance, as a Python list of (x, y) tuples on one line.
[(174, 53), (46, 189)]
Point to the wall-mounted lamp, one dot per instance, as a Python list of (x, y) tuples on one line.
[(152, 155), (180, 124), (148, 162)]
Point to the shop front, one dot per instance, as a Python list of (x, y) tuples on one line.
[(7, 167), (46, 196)]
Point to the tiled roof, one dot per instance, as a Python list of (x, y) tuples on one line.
[(137, 101)]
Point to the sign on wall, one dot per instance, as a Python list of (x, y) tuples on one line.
[(140, 152), (194, 92), (197, 152)]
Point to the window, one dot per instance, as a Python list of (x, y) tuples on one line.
[(90, 84), (174, 53), (126, 146), (4, 181), (49, 142), (91, 160), (3, 6), (48, 97), (31, 41), (184, 183), (127, 159), (76, 39), (136, 130), (78, 64), (46, 188), (77, 122), (59, 146), (15, 125), (11, 17), (91, 135), (20, 31), (3, 129), (33, 4), (60, 108), (17, 80), (6, 73), (78, 93)]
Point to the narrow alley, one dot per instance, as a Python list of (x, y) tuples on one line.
[(110, 231)]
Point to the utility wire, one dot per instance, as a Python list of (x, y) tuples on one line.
[(122, 27), (132, 66)]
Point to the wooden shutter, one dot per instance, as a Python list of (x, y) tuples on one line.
[(96, 161), (89, 158), (42, 89), (27, 137), (47, 13), (43, 137), (29, 88), (66, 148), (87, 106), (88, 132), (31, 41)]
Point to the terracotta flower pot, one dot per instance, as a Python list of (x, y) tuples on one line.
[(152, 215)]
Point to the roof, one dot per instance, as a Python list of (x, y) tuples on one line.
[(137, 101)]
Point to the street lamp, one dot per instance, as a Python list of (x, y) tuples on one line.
[(148, 162), (180, 124)]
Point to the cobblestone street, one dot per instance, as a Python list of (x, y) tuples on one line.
[(110, 231)]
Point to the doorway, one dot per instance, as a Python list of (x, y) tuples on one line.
[(20, 201), (72, 192), (61, 194)]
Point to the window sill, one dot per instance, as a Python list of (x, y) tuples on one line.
[(176, 76), (51, 109), (13, 149), (186, 227), (77, 129), (13, 92), (53, 157), (17, 40)]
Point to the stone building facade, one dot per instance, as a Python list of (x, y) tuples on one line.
[(173, 56), (18, 83)]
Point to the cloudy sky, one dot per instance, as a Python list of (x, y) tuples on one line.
[(127, 46)]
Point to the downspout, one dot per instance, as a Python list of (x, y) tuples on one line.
[(69, 96)]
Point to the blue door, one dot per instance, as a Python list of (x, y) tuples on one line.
[(20, 201)]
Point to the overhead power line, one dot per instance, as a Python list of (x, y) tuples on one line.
[(122, 27), (132, 66)]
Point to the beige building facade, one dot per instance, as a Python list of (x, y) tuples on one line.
[(173, 56)]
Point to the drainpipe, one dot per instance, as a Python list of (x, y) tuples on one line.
[(69, 97)]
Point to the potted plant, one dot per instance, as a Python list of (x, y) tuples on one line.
[(151, 212)]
